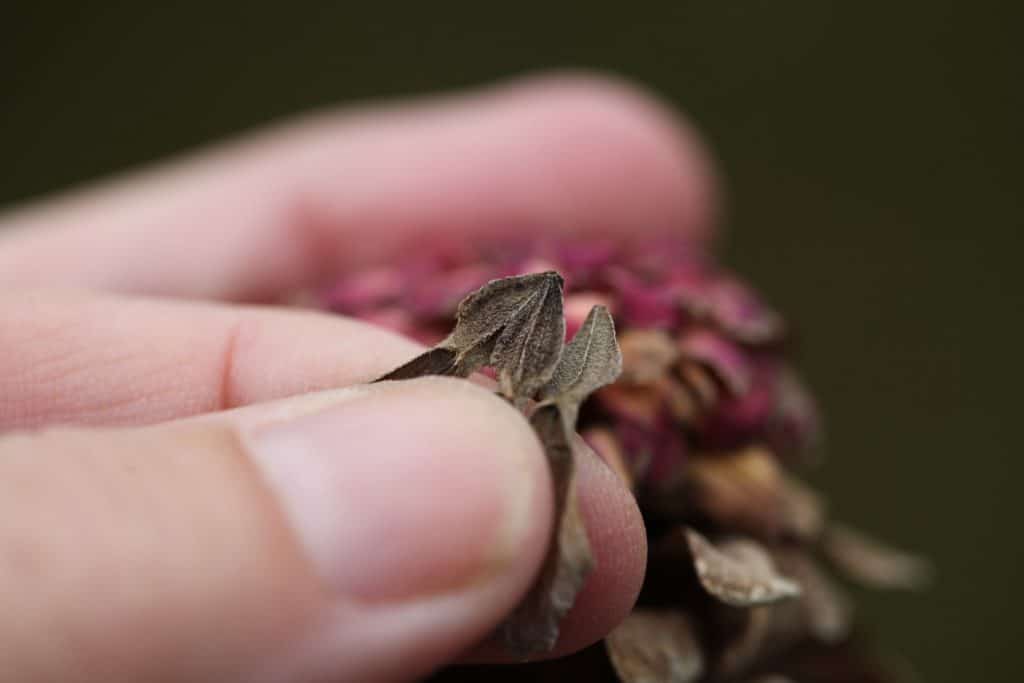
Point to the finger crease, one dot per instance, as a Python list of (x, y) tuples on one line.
[(226, 399)]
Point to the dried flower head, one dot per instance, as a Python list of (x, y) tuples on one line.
[(707, 423)]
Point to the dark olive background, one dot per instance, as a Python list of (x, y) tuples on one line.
[(870, 153)]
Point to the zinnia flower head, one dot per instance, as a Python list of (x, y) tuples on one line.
[(706, 424)]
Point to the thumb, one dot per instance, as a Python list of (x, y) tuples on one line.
[(366, 534)]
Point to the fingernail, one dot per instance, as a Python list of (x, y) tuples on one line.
[(407, 489)]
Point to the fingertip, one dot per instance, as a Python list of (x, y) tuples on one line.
[(618, 539), (566, 154), (424, 505), (611, 126)]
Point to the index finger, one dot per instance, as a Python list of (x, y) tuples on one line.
[(284, 208)]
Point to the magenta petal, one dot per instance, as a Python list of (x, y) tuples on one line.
[(642, 304), (577, 308), (738, 310), (582, 263), (394, 319), (659, 258), (739, 420), (364, 291), (657, 455), (724, 358), (439, 295)]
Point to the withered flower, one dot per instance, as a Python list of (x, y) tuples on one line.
[(707, 424)]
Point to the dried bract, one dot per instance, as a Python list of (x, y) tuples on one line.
[(515, 324), (436, 361), (533, 626), (738, 572), (526, 352), (655, 646), (873, 564), (591, 360)]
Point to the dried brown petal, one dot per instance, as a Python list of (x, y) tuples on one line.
[(486, 311), (821, 612), (484, 314), (749, 643), (803, 509), (680, 401), (826, 610), (646, 355), (496, 324), (436, 361), (533, 627), (738, 490), (738, 572), (637, 404), (591, 360), (874, 564), (748, 491), (528, 348), (655, 647)]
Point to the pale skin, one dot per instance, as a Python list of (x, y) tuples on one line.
[(197, 487)]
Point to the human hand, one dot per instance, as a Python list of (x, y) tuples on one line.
[(225, 499)]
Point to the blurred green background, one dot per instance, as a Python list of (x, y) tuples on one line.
[(871, 156)]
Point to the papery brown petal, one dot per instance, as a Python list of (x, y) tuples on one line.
[(738, 572), (474, 359), (680, 401), (485, 313), (748, 491), (749, 643), (826, 610), (646, 355), (653, 646), (803, 510), (533, 627), (591, 360), (436, 361), (873, 564), (527, 350), (640, 405), (739, 490), (697, 379), (820, 613)]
